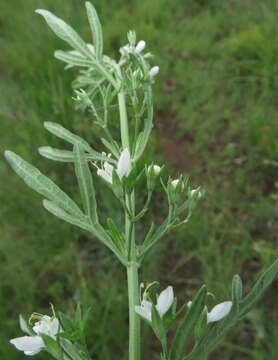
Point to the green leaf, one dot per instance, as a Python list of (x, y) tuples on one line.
[(214, 337), (236, 290), (72, 58), (70, 349), (201, 325), (95, 28), (85, 183), (61, 214), (148, 125), (42, 184), (158, 327), (111, 147), (67, 156), (65, 134), (66, 322), (259, 288), (52, 346), (56, 154), (66, 33), (186, 327), (78, 313), (116, 235), (24, 326)]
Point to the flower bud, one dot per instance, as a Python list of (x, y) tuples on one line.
[(156, 169), (175, 183), (154, 71), (140, 46), (194, 191)]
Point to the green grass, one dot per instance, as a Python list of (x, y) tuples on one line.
[(217, 93)]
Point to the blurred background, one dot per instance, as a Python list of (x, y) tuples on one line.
[(216, 119)]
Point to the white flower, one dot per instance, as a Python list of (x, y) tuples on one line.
[(31, 345), (219, 311), (140, 46), (154, 71), (122, 167), (164, 302)]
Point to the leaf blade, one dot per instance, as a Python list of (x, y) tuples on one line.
[(85, 183), (42, 184), (95, 28)]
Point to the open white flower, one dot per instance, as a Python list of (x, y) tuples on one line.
[(31, 345), (122, 167), (219, 311), (164, 302)]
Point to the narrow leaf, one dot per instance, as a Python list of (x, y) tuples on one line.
[(186, 327), (85, 183), (73, 59), (236, 290), (259, 288), (24, 326), (65, 134), (56, 154), (116, 235), (61, 214), (95, 28), (65, 32), (42, 184)]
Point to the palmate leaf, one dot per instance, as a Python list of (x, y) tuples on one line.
[(66, 33), (42, 184), (95, 28), (85, 183)]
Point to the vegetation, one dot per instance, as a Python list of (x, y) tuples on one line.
[(216, 118)]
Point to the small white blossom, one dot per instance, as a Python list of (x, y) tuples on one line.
[(164, 302), (140, 46), (154, 71), (31, 345), (122, 167), (219, 311), (156, 169)]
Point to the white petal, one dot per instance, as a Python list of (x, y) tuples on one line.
[(144, 311), (53, 329), (154, 71), (123, 163), (219, 311), (31, 345), (140, 46), (108, 168), (105, 175), (165, 300)]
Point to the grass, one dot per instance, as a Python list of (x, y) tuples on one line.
[(215, 102)]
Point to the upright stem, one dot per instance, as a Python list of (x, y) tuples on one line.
[(132, 267), (123, 119)]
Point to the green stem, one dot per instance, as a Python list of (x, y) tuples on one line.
[(134, 322), (132, 266), (123, 119)]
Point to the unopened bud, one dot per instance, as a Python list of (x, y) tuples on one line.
[(140, 46), (193, 192), (175, 183), (156, 169), (154, 71)]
